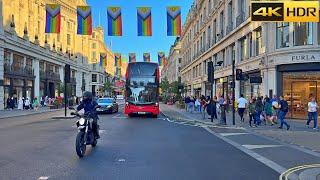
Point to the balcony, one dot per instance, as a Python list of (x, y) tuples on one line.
[(49, 75), (18, 71)]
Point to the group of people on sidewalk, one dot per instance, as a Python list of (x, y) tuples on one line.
[(259, 110), (22, 103)]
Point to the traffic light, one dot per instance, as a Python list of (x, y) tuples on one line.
[(210, 72), (239, 74), (67, 73)]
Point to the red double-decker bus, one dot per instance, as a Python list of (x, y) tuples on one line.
[(142, 89)]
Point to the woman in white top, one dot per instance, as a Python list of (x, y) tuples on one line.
[(20, 104), (27, 103), (313, 113)]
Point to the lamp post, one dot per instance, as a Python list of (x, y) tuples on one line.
[(233, 93)]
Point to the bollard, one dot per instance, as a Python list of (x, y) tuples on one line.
[(223, 120)]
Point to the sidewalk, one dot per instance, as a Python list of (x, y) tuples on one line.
[(16, 113), (298, 134)]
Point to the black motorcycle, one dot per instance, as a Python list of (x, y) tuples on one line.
[(86, 135)]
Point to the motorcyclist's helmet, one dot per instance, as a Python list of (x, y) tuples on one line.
[(87, 96)]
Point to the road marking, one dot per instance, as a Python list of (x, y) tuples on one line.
[(43, 178), (278, 168), (116, 115), (232, 134), (250, 146), (121, 160), (290, 171), (102, 131), (309, 173)]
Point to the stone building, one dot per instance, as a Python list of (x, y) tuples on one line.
[(285, 56), (32, 62)]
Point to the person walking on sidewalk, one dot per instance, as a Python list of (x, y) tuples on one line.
[(313, 113), (283, 110), (35, 104), (258, 110), (268, 110), (242, 104), (197, 105), (251, 108), (191, 105), (275, 107), (187, 102)]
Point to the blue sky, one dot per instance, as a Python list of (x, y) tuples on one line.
[(130, 42)]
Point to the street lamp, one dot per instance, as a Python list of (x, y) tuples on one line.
[(211, 68)]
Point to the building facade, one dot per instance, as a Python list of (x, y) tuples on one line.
[(285, 56), (172, 68), (32, 62)]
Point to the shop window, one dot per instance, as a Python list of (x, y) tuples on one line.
[(17, 62), (6, 81), (302, 34), (282, 34), (29, 83)]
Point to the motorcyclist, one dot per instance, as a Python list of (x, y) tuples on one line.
[(89, 106)]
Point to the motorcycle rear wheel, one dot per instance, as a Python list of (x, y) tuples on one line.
[(80, 145), (95, 142)]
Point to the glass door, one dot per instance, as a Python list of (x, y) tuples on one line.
[(301, 92)]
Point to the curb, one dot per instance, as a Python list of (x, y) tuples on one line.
[(62, 117), (34, 113)]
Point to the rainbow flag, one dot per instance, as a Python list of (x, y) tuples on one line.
[(53, 18), (103, 60), (144, 21), (146, 57), (114, 21), (161, 58), (84, 20), (117, 60), (132, 57), (174, 21)]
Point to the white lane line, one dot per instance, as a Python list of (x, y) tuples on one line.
[(232, 134), (309, 174), (116, 115), (43, 178), (251, 153), (251, 146)]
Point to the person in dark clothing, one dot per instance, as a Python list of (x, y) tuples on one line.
[(12, 103), (89, 106), (258, 110), (212, 108), (283, 110)]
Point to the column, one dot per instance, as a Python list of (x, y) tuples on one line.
[(79, 83), (61, 73), (88, 79), (36, 70), (237, 59), (269, 81)]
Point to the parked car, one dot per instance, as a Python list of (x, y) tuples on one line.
[(108, 105), (120, 97)]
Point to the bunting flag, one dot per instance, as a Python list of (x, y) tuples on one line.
[(174, 21), (144, 21), (84, 20), (53, 18), (114, 21), (103, 60), (117, 60), (146, 57), (161, 58), (132, 57)]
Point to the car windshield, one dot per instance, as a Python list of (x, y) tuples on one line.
[(142, 90), (105, 101)]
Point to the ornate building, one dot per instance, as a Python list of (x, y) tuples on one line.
[(276, 58)]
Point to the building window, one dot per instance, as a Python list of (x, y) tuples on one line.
[(302, 34), (94, 78), (93, 35), (243, 48), (58, 38), (180, 59), (68, 39), (93, 45), (282, 34), (17, 62), (94, 55), (221, 24), (214, 31), (258, 41), (250, 45), (69, 25)]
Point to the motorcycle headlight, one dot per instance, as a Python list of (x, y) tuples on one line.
[(82, 121)]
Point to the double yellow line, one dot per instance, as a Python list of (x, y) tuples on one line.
[(287, 173)]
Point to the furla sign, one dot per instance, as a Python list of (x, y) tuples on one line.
[(302, 58)]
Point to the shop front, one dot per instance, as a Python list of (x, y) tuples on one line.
[(251, 85), (299, 82), (223, 87), (208, 88)]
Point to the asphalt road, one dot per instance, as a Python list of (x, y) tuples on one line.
[(130, 148)]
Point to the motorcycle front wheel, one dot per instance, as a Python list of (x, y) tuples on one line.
[(80, 144)]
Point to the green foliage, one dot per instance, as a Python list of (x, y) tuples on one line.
[(69, 89), (107, 86), (165, 85)]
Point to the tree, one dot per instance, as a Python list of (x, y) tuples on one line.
[(107, 86), (165, 85)]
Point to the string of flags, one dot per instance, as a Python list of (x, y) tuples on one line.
[(114, 17)]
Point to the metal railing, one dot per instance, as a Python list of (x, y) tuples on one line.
[(49, 75), (22, 71)]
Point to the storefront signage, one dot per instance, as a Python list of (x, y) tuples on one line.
[(303, 58), (197, 86), (256, 80)]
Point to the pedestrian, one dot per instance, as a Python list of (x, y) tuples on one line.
[(191, 104), (275, 107), (268, 110), (258, 110), (205, 102), (313, 113), (8, 103), (187, 103), (27, 104), (20, 104), (251, 108), (211, 108), (12, 104), (35, 104), (242, 104), (283, 110), (197, 105)]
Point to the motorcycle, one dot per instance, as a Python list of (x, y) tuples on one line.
[(85, 134)]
